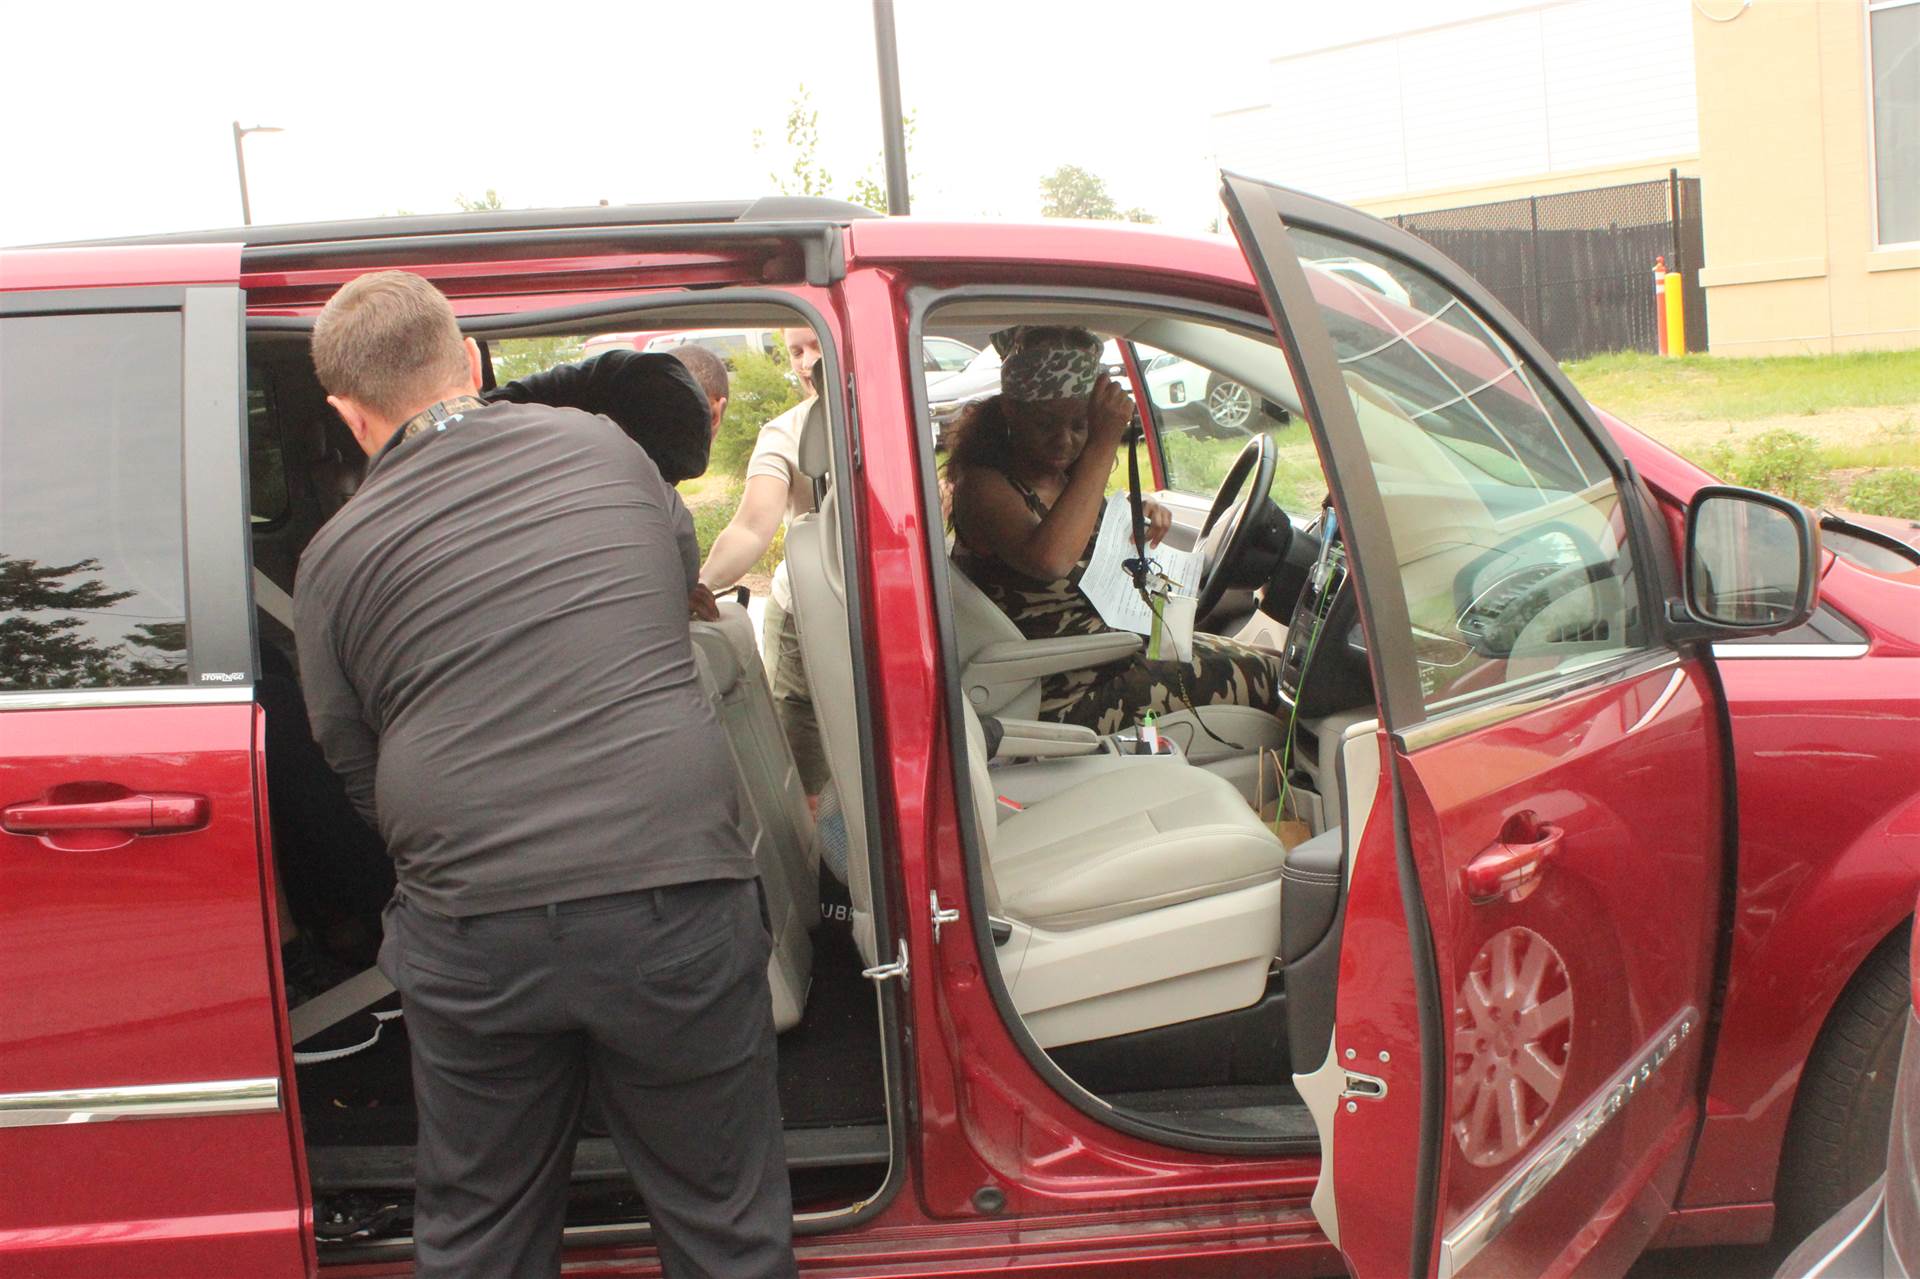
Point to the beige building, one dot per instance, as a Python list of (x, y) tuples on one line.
[(1800, 117), (1810, 173)]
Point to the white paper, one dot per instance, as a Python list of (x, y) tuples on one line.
[(1109, 587), (1176, 616)]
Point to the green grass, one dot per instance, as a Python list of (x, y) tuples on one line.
[(1196, 465), (1794, 465), (1893, 492), (1820, 429), (1741, 389)]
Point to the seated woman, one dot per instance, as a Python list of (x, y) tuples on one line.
[(1029, 470)]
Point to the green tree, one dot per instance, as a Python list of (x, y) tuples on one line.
[(759, 393), (805, 175), (522, 357), (1072, 192), (50, 652), (480, 203)]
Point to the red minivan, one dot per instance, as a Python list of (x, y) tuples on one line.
[(1550, 920)]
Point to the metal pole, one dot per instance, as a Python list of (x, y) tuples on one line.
[(893, 128), (1673, 220), (240, 163), (1533, 243)]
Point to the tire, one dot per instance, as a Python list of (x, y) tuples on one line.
[(1230, 407), (1836, 1142)]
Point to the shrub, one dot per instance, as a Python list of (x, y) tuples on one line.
[(759, 393), (1778, 461), (710, 517), (1893, 491)]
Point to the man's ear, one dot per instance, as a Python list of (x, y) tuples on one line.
[(719, 407), (473, 363), (357, 421)]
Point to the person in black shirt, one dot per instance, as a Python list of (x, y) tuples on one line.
[(495, 656), (643, 392)]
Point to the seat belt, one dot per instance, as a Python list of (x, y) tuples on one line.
[(1139, 565), (338, 1003), (271, 600)]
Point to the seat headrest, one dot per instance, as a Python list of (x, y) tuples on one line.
[(816, 441), (335, 479)]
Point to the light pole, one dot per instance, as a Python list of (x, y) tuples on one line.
[(892, 131), (240, 163)]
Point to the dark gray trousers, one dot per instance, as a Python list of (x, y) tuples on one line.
[(660, 999)]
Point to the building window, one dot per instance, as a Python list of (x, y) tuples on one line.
[(1893, 58)]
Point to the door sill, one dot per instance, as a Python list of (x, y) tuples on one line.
[(339, 1168)]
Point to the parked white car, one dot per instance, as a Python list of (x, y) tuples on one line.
[(1215, 404)]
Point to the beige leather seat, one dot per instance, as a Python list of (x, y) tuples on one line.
[(1001, 670), (815, 573), (1135, 900), (773, 805), (1140, 898)]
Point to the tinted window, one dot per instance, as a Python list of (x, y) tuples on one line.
[(92, 583), (266, 460)]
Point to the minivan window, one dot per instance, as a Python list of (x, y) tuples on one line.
[(266, 460), (1510, 527), (92, 574)]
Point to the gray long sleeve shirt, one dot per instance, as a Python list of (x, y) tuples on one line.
[(494, 649)]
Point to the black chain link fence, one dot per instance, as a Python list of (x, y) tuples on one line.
[(1577, 268)]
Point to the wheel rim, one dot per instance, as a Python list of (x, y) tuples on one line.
[(1512, 1037), (1230, 405)]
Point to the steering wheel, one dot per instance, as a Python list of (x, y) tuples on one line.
[(1229, 536)]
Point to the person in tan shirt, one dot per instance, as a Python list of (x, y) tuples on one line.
[(776, 494)]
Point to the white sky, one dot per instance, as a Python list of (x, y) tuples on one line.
[(119, 114)]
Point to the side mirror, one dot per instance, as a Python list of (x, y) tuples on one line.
[(1753, 561)]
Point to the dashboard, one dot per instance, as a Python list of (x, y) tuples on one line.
[(1546, 597)]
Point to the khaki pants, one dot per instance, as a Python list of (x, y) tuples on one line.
[(792, 697)]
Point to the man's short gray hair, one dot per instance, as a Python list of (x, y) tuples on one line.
[(389, 340), (708, 369)]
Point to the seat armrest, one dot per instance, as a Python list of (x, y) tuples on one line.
[(1016, 661), (1034, 739), (1313, 876)]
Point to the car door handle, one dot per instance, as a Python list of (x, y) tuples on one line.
[(140, 813), (1510, 867)]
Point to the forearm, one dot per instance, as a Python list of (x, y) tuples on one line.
[(748, 534), (732, 554)]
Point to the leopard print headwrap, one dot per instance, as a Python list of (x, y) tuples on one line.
[(1047, 362)]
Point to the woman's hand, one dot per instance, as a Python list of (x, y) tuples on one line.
[(1159, 520), (1109, 410)]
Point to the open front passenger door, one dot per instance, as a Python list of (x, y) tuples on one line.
[(1544, 905)]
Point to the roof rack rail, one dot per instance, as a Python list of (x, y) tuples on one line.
[(767, 209)]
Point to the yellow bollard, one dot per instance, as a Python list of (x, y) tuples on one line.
[(1676, 315)]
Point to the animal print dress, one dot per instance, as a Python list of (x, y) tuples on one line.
[(1112, 697)]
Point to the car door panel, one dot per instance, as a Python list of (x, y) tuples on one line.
[(1551, 995), (138, 983), (1561, 839), (145, 1125)]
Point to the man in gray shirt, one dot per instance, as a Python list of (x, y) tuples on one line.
[(495, 654)]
